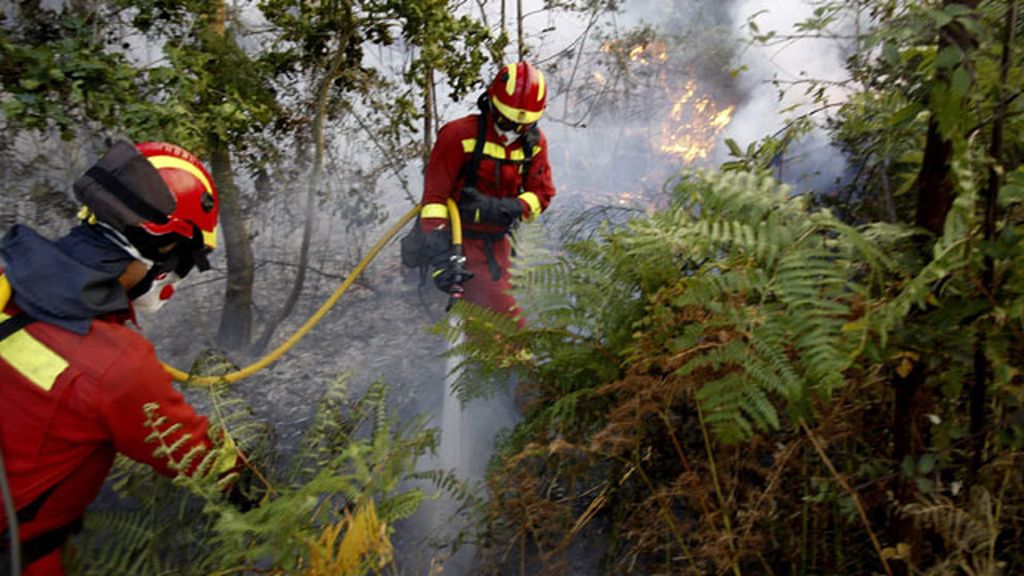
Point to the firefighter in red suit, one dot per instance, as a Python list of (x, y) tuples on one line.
[(495, 166), (74, 379)]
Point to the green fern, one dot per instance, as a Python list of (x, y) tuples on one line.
[(779, 278), (353, 451)]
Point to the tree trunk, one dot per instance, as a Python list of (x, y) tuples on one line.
[(978, 395), (519, 30), (934, 181), (935, 194), (428, 116), (316, 176), (236, 318)]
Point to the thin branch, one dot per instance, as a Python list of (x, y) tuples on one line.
[(853, 496)]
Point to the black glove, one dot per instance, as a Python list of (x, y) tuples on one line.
[(449, 272), (447, 269), (477, 208)]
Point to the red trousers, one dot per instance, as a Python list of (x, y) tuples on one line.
[(483, 289)]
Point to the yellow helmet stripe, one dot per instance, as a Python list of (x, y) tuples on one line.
[(510, 84), (210, 238), (513, 73), (164, 161), (517, 114)]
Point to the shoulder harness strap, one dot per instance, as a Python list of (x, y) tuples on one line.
[(13, 324)]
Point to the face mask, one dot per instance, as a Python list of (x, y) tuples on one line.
[(507, 135), (160, 290)]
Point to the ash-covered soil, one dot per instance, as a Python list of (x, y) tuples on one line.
[(378, 330)]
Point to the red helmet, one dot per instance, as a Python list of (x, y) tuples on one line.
[(519, 93), (195, 197)]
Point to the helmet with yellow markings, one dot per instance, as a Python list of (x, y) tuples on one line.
[(519, 93), (195, 198), (155, 195)]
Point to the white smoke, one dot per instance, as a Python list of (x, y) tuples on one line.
[(775, 78), (772, 82)]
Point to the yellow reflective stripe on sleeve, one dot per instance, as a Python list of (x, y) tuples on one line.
[(32, 358), (434, 211), (533, 202)]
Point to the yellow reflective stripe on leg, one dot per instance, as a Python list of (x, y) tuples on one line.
[(533, 202), (434, 211), (32, 358)]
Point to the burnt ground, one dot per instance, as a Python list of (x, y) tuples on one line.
[(378, 330)]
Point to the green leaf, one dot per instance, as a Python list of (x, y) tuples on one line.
[(961, 82), (734, 148), (957, 10), (907, 467), (940, 17), (1011, 194), (926, 464), (947, 58), (891, 53)]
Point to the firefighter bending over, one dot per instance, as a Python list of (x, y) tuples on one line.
[(495, 165), (73, 377)]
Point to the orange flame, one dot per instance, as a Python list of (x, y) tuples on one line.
[(649, 52), (694, 124)]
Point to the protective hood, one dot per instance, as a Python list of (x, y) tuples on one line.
[(51, 281)]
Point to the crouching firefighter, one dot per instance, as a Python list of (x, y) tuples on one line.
[(494, 164), (74, 377)]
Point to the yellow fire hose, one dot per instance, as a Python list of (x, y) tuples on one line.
[(179, 375)]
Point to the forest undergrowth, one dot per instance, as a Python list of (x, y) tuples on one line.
[(713, 385)]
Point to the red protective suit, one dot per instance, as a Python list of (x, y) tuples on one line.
[(499, 174), (71, 402)]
